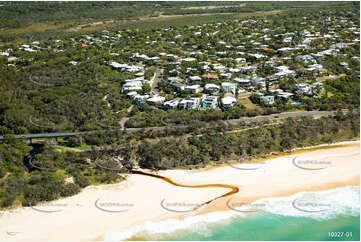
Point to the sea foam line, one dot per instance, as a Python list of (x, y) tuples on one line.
[(343, 201)]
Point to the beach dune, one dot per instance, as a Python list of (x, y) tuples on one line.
[(139, 199)]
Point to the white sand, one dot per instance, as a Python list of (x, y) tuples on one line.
[(78, 219)]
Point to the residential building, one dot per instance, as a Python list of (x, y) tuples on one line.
[(209, 102), (155, 100), (229, 87), (189, 104), (268, 99), (193, 88), (228, 101)]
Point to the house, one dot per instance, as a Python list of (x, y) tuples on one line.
[(4, 54), (134, 68), (257, 56), (132, 86), (209, 102), (258, 81), (305, 58), (211, 88), (339, 45), (155, 100), (226, 75), (210, 76), (316, 87), (234, 70), (315, 68), (283, 71), (240, 60), (245, 69), (220, 68), (303, 88), (228, 101), (171, 104), (229, 87), (189, 104), (172, 80), (287, 40), (193, 88), (281, 68), (268, 99), (178, 87), (118, 65), (344, 64), (74, 63), (243, 82), (285, 50), (140, 98), (194, 79), (132, 95)]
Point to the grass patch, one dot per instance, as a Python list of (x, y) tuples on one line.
[(247, 103)]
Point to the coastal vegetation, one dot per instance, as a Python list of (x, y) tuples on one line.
[(55, 76), (55, 173)]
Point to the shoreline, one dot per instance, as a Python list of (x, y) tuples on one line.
[(285, 153), (277, 177)]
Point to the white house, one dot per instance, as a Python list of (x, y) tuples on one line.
[(285, 50), (228, 101), (190, 104), (132, 86), (242, 81), (209, 87), (305, 58), (303, 87), (171, 104), (4, 54), (140, 98), (155, 100), (229, 87), (315, 68), (194, 79), (209, 102), (240, 60), (268, 99), (193, 88)]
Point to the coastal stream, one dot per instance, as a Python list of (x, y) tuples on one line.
[(234, 189)]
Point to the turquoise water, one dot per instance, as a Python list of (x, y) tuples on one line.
[(277, 227), (305, 216)]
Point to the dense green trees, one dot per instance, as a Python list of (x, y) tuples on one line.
[(217, 147)]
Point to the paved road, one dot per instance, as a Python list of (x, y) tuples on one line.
[(280, 115), (154, 82), (231, 121)]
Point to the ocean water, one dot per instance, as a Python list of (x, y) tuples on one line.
[(305, 216)]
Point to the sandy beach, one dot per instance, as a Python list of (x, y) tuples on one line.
[(98, 209)]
